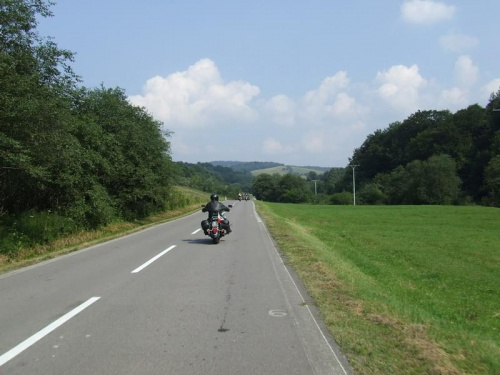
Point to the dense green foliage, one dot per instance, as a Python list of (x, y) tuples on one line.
[(433, 157), (292, 188), (213, 178), (400, 296), (70, 157), (275, 188)]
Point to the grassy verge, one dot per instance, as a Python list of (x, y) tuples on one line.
[(187, 201), (404, 290)]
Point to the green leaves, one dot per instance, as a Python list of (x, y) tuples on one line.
[(275, 188), (406, 159), (87, 154), (492, 182)]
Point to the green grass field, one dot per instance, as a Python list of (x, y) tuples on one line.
[(403, 289)]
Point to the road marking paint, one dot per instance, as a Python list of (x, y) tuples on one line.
[(259, 220), (196, 231), (4, 358), (280, 260), (139, 269), (277, 313)]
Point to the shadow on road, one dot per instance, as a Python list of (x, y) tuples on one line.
[(199, 241)]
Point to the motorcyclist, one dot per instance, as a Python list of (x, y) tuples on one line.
[(211, 207), (239, 196)]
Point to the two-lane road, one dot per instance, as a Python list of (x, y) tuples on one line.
[(165, 301)]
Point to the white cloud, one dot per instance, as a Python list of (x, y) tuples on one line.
[(426, 12), (272, 147), (280, 110), (491, 87), (343, 105), (197, 97), (328, 87), (329, 102), (323, 125), (314, 142), (465, 71), (458, 42), (453, 99), (399, 87)]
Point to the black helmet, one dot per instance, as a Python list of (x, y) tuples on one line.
[(214, 197)]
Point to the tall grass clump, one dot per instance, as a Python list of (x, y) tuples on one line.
[(31, 228), (45, 234)]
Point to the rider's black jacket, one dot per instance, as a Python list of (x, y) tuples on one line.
[(214, 206)]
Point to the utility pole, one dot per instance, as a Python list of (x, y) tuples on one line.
[(315, 190), (353, 166)]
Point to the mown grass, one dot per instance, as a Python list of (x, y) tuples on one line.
[(185, 201), (403, 289)]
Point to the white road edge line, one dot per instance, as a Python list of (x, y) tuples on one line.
[(44, 332), (196, 231), (139, 269), (298, 291)]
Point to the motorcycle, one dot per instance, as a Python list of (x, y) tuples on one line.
[(216, 232), (213, 227)]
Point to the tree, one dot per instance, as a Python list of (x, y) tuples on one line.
[(311, 176), (35, 100), (344, 198), (433, 181), (133, 160), (441, 185), (331, 179), (371, 194), (492, 182), (265, 187), (293, 189)]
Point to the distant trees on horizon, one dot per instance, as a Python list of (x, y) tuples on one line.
[(432, 157)]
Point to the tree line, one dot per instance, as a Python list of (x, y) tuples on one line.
[(212, 178), (70, 157), (432, 157)]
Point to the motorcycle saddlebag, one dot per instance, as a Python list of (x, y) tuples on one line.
[(205, 225)]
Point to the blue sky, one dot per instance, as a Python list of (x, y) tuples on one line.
[(297, 82)]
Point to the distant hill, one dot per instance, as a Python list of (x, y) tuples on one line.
[(258, 167), (290, 169), (245, 166)]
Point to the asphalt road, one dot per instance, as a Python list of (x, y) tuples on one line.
[(165, 301)]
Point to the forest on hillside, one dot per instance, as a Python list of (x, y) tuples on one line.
[(70, 157), (212, 178), (432, 157), (239, 166)]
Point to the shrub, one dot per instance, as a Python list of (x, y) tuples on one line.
[(371, 194), (344, 198), (31, 227)]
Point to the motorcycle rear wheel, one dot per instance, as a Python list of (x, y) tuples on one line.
[(216, 240)]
